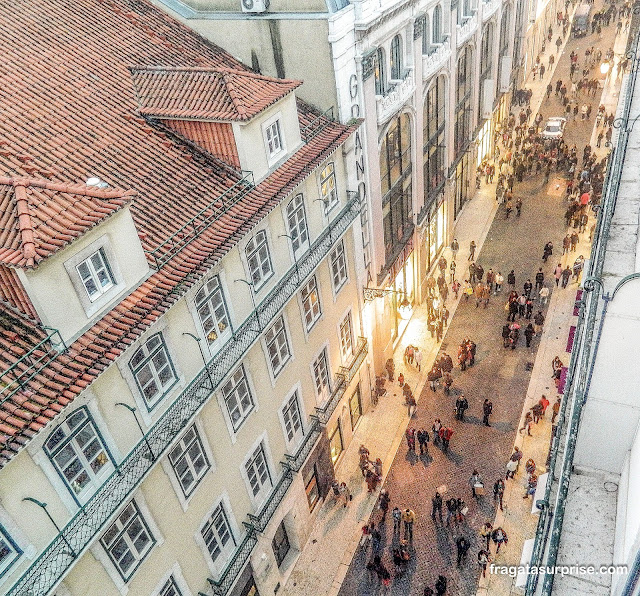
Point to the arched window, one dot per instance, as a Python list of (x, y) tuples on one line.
[(396, 58), (426, 44), (380, 72), (486, 64), (436, 32), (434, 114), (395, 180), (464, 88)]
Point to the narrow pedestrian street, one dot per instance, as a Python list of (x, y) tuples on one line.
[(511, 379)]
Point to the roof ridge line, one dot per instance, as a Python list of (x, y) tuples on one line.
[(78, 189)]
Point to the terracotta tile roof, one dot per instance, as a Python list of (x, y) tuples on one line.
[(38, 217), (206, 93), (69, 112)]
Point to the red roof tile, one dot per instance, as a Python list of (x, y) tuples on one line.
[(206, 93), (40, 217), (69, 108)]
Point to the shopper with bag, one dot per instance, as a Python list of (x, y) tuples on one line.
[(476, 484)]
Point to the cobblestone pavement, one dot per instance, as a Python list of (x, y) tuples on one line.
[(502, 375)]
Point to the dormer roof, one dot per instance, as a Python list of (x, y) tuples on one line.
[(39, 217), (219, 94)]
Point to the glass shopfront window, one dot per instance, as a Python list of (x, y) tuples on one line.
[(464, 93), (336, 443), (461, 184), (436, 229), (434, 114), (355, 407)]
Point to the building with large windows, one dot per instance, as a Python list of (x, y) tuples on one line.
[(182, 355), (432, 80)]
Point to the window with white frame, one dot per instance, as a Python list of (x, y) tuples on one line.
[(237, 397), (258, 473), (346, 338), (10, 552), (338, 266), (292, 419), (328, 188), (217, 534), (153, 370), (96, 274), (277, 346), (258, 259), (311, 302), (322, 377), (212, 312), (273, 139), (189, 461), (297, 221), (170, 588), (79, 454), (128, 541)]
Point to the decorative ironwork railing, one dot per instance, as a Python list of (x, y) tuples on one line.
[(317, 125), (395, 97), (51, 565), (434, 61), (259, 521), (549, 529), (202, 221), (29, 365), (466, 30)]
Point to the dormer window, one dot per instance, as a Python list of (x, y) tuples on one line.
[(95, 274), (274, 139)]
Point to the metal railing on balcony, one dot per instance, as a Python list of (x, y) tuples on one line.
[(549, 529), (29, 365), (202, 221), (317, 125), (52, 564)]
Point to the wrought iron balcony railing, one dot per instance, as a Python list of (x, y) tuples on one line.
[(258, 522), (79, 533), (29, 365), (317, 125)]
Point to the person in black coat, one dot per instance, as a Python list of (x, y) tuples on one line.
[(528, 334)]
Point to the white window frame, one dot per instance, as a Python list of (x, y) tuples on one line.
[(70, 439), (331, 198), (309, 325), (16, 553), (105, 298), (213, 345), (140, 558), (346, 356), (264, 277), (265, 489), (283, 358), (274, 156), (236, 425), (216, 567), (295, 441), (187, 456), (300, 225), (18, 538), (339, 246), (148, 359), (321, 398), (176, 573)]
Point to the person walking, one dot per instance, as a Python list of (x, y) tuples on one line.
[(472, 250), (411, 439), (385, 499), (538, 322), (436, 506), (528, 334), (566, 275), (454, 248), (461, 406), (544, 404), (441, 585), (445, 436), (483, 560), (408, 518), (558, 273), (528, 286), (476, 484), (487, 408), (539, 279), (498, 491), (499, 281), (485, 533), (499, 537), (526, 425), (423, 440), (345, 494), (452, 510), (396, 514), (462, 546), (555, 410), (543, 295), (511, 280)]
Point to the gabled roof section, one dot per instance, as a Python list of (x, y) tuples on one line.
[(206, 93), (38, 217)]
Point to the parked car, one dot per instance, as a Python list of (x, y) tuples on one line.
[(554, 129)]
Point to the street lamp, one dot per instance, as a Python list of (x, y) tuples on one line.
[(204, 360), (295, 259), (43, 506), (253, 299), (133, 411)]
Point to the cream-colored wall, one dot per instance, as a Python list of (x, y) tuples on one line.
[(24, 477), (250, 141), (49, 285), (275, 6)]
